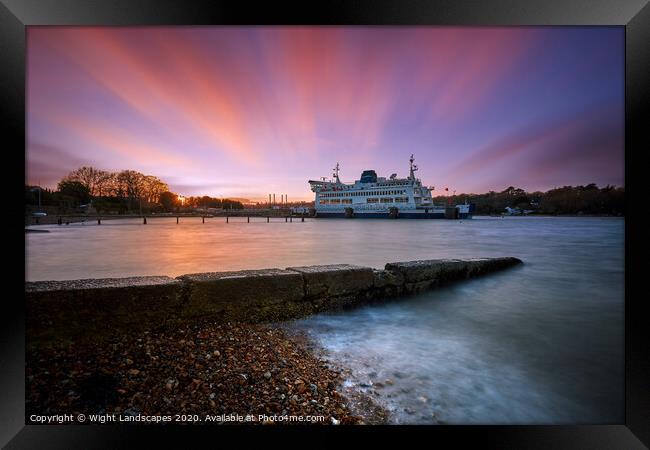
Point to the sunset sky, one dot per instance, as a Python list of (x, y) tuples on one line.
[(247, 111)]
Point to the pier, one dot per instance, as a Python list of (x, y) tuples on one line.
[(67, 219)]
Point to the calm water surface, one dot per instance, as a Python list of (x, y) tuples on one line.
[(540, 343)]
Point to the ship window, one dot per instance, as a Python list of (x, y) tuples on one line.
[(387, 200), (347, 201), (372, 200), (401, 200), (335, 200)]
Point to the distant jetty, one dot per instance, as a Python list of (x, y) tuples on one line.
[(76, 308)]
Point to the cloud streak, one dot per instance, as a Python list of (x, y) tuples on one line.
[(268, 103)]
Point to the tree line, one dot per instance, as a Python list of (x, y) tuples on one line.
[(130, 191), (589, 199), (203, 202), (118, 192)]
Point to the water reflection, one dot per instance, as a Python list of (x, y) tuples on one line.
[(540, 343)]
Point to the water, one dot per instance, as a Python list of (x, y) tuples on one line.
[(541, 343)]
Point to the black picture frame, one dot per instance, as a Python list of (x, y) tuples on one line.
[(634, 15)]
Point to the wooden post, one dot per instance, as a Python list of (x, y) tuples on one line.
[(268, 219), (144, 220), (291, 219), (99, 221), (203, 218), (286, 219), (303, 218), (226, 219), (248, 219), (177, 219)]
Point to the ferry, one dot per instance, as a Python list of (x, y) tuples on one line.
[(377, 197)]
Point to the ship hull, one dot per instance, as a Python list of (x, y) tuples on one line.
[(386, 215)]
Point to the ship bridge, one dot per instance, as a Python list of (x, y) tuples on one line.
[(368, 176)]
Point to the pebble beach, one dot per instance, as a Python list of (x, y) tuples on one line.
[(194, 374)]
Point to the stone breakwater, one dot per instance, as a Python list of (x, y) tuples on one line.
[(96, 307)]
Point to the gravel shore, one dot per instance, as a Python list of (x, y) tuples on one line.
[(221, 371)]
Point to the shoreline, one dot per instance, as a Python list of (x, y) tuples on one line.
[(548, 215), (359, 403), (207, 344), (207, 371), (52, 220)]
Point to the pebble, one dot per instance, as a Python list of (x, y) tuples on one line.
[(275, 376)]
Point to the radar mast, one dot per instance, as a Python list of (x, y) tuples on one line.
[(413, 168), (336, 174)]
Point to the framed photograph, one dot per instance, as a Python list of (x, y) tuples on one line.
[(377, 217)]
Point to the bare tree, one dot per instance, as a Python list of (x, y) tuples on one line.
[(130, 185), (105, 183), (87, 176), (152, 188)]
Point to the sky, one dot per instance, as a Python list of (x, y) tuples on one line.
[(248, 111)]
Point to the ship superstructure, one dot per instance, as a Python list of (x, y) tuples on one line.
[(380, 197)]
